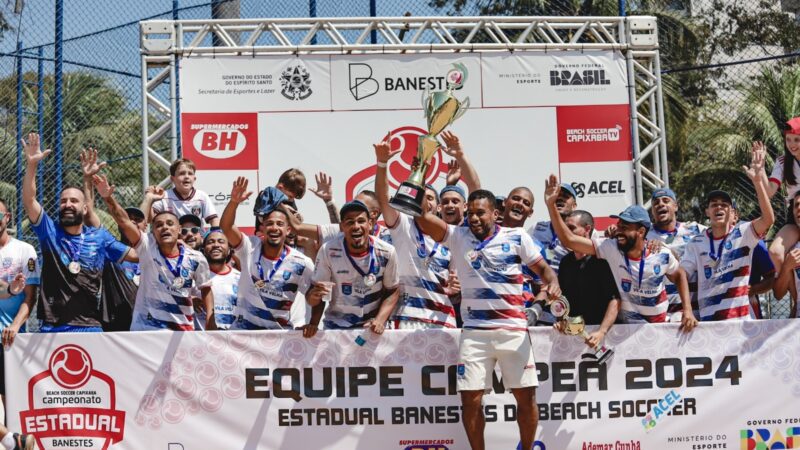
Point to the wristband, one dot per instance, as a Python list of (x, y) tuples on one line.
[(382, 165), (330, 203)]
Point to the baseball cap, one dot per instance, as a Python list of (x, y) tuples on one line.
[(354, 205), (136, 212), (453, 188), (664, 192), (794, 125), (211, 231), (719, 194), (571, 190), (634, 214), (190, 218), (268, 200)]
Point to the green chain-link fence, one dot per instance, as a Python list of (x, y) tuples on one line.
[(730, 77)]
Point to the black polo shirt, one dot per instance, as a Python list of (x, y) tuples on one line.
[(588, 285)]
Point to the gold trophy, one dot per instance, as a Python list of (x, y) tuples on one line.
[(441, 109), (576, 326)]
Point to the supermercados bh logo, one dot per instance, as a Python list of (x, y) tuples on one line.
[(72, 405), (579, 76), (296, 82), (220, 140), (399, 168), (365, 83), (426, 444)]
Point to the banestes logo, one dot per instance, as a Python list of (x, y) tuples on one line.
[(221, 140), (72, 405), (399, 168), (363, 84)]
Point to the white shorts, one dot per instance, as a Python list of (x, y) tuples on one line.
[(480, 350)]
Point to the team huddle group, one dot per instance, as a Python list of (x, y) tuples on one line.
[(466, 262)]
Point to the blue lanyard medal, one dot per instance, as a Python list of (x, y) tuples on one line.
[(261, 283), (74, 265), (474, 256), (641, 268), (177, 281), (422, 250), (715, 257), (368, 277)]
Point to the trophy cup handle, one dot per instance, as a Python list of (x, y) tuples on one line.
[(462, 108)]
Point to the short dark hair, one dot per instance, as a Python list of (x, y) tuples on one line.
[(483, 194), (584, 217), (521, 188), (166, 211), (370, 194), (173, 168), (294, 180)]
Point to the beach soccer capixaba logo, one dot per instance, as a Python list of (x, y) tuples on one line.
[(72, 405)]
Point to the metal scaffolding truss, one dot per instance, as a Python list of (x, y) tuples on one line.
[(163, 42)]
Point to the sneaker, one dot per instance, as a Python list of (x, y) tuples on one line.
[(23, 441)]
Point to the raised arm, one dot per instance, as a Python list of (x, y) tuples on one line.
[(126, 225), (468, 172), (568, 238), (785, 281), (90, 167), (757, 175), (324, 191), (433, 226), (306, 230), (239, 194), (151, 195), (33, 155), (383, 153)]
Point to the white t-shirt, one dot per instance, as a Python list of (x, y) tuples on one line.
[(269, 307), (422, 278), (676, 241), (16, 257), (641, 283), (225, 286), (198, 203), (777, 177), (160, 303), (353, 303), (491, 283), (722, 285)]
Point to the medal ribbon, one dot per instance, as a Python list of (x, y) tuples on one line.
[(554, 241), (275, 266), (74, 255), (176, 271), (421, 242), (715, 256), (355, 265), (486, 241), (641, 267), (375, 229)]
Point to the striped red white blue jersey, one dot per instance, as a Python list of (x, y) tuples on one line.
[(492, 284), (676, 240), (269, 308), (641, 284), (776, 177), (722, 285), (423, 275), (160, 303), (353, 303)]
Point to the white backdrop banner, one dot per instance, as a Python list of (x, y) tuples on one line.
[(531, 114), (726, 385)]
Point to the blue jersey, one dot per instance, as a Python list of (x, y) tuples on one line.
[(67, 298)]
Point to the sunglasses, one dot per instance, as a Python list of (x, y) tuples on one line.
[(192, 230)]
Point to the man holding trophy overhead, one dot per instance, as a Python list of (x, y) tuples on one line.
[(488, 259)]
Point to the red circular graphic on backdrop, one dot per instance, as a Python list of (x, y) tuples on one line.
[(70, 366), (406, 139)]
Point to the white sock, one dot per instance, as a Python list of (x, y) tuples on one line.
[(8, 441)]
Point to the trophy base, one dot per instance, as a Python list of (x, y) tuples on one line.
[(603, 353), (408, 199)]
